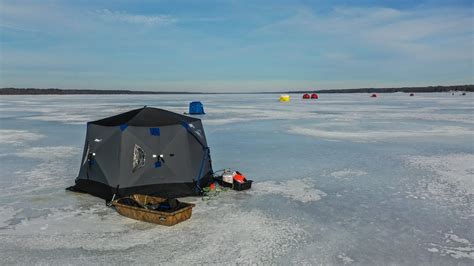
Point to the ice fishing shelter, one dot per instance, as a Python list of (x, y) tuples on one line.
[(148, 151), (196, 108), (285, 98)]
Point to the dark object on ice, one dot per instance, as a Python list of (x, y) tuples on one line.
[(148, 151), (373, 95), (242, 186), (174, 212), (306, 96), (196, 108), (463, 93), (412, 94), (314, 96), (247, 184), (168, 205)]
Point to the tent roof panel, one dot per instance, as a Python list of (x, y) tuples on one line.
[(145, 117)]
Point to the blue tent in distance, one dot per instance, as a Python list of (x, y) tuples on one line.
[(196, 108)]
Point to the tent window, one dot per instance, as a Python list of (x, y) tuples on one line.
[(84, 160), (138, 158)]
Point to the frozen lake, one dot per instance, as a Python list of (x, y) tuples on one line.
[(346, 179)]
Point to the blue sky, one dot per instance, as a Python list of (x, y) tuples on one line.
[(235, 45)]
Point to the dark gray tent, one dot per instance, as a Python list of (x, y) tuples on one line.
[(149, 151)]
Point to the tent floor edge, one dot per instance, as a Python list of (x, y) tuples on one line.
[(106, 192), (93, 188)]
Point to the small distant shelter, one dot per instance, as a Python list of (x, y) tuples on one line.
[(314, 96), (412, 94), (373, 95), (196, 108), (285, 98), (306, 96)]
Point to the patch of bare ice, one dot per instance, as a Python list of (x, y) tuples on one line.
[(17, 137), (49, 153), (7, 213), (347, 173), (374, 135), (74, 113), (244, 236), (245, 114), (297, 189), (345, 259), (454, 246), (457, 169), (51, 171)]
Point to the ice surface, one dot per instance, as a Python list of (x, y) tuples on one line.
[(299, 190), (451, 181), (50, 170), (17, 137), (456, 169), (342, 180), (7, 213), (348, 173), (345, 259), (454, 246), (374, 135)]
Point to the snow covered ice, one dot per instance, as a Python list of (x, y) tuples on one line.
[(346, 179)]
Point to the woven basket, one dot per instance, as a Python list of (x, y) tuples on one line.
[(152, 216)]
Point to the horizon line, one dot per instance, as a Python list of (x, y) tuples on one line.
[(33, 91)]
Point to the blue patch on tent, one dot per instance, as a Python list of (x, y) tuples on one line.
[(155, 131), (185, 125), (158, 164), (91, 162), (123, 127)]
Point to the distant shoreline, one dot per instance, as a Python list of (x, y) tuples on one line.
[(464, 88), (51, 91)]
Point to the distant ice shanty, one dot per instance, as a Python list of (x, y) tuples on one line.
[(196, 108), (285, 98)]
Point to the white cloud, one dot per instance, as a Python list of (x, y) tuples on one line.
[(346, 47), (368, 13), (416, 32), (121, 16)]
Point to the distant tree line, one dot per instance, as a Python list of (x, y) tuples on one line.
[(392, 90), (36, 91)]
